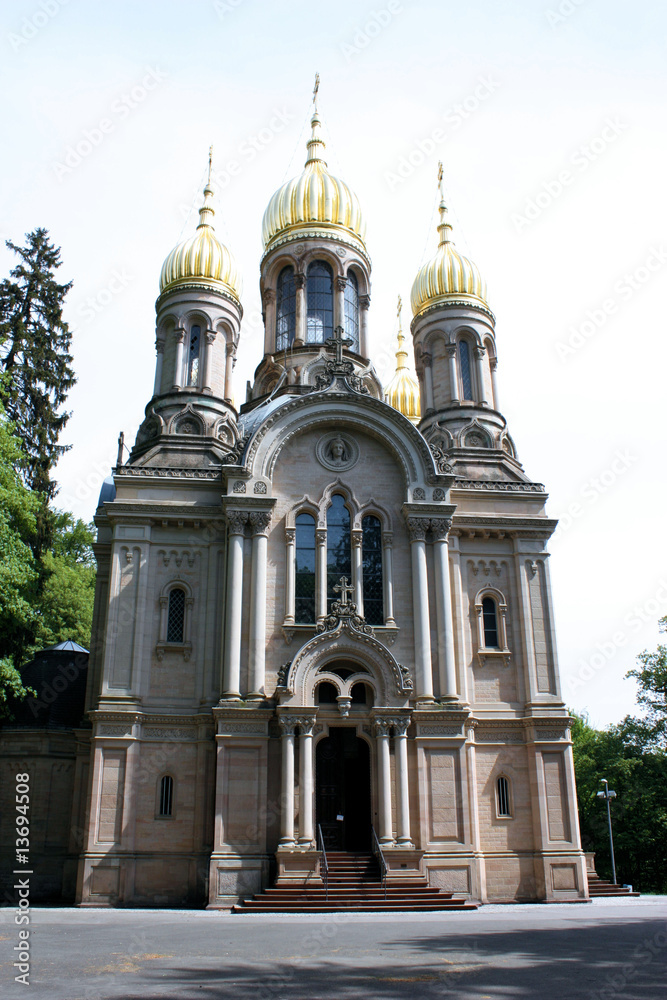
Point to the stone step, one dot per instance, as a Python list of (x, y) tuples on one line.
[(260, 906)]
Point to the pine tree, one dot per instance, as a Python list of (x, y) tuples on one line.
[(36, 365)]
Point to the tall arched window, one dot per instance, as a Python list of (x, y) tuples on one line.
[(490, 623), (503, 802), (285, 309), (176, 615), (192, 374), (339, 558), (319, 303), (352, 311), (465, 370), (371, 547), (304, 577), (166, 804)]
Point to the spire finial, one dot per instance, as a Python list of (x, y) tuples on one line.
[(206, 212), (401, 353), (445, 227), (316, 144)]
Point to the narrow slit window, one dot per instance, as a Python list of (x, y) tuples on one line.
[(193, 355), (490, 623), (176, 615), (352, 311), (304, 578), (503, 797), (371, 548), (464, 365), (285, 309), (166, 795)]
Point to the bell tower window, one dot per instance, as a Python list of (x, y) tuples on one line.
[(339, 547), (192, 372), (352, 311), (319, 303), (285, 309), (464, 369)]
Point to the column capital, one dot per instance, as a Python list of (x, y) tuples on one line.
[(494, 363), (440, 528), (417, 528), (364, 301), (287, 724), (159, 345), (299, 280), (400, 724), (357, 537), (268, 296), (259, 521), (210, 336), (450, 350), (290, 535), (321, 536), (387, 539), (381, 727), (179, 333), (341, 283), (306, 724), (479, 352), (426, 360), (237, 520)]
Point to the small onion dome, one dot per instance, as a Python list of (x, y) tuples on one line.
[(202, 259), (403, 391), (314, 204), (449, 276)]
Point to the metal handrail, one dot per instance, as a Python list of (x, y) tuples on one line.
[(320, 839), (377, 851)]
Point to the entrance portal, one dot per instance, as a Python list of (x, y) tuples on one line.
[(343, 790)]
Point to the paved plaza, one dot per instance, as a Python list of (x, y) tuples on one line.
[(605, 949)]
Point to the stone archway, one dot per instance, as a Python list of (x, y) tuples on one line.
[(343, 790)]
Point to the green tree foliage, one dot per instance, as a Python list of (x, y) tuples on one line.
[(639, 813), (651, 730), (68, 589), (36, 365)]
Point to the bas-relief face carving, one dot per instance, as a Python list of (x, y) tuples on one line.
[(337, 452)]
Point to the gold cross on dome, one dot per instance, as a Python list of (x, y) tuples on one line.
[(345, 590)]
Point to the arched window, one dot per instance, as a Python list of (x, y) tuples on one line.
[(304, 577), (319, 303), (465, 370), (503, 802), (166, 804), (339, 558), (176, 615), (490, 623), (326, 693), (192, 372), (352, 311), (285, 309), (371, 547)]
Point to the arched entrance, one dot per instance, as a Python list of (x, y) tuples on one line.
[(343, 789)]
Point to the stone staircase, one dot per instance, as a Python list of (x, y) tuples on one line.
[(599, 887), (354, 884)]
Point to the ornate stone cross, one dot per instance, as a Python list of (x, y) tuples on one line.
[(337, 343), (345, 590)]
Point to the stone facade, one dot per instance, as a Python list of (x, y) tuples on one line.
[(212, 693)]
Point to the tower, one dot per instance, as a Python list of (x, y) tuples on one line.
[(402, 392)]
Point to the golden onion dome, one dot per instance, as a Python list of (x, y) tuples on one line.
[(449, 276), (403, 391), (314, 204), (202, 259)]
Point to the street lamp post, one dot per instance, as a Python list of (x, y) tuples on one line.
[(608, 795)]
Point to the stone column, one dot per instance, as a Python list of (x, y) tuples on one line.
[(443, 596), (300, 330), (179, 334), (290, 575), (339, 311), (427, 362), (357, 572), (385, 835), (159, 350), (493, 362), (232, 672), (402, 788), (259, 522), (321, 574), (364, 303), (417, 527), (388, 578), (208, 361), (230, 361), (269, 302), (306, 784), (287, 782), (453, 376), (479, 353)]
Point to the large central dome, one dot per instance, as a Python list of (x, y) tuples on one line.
[(314, 204)]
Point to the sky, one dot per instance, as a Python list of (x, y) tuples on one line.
[(549, 117)]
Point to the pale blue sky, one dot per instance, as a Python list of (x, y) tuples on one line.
[(584, 94)]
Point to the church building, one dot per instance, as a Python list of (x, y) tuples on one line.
[(323, 620)]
